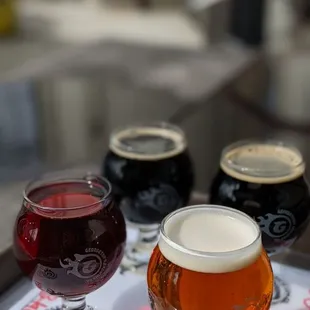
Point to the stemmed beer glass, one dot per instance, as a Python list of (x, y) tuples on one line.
[(151, 172), (69, 236), (209, 257), (266, 180)]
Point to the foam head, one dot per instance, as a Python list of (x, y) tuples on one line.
[(148, 142), (262, 162), (210, 239)]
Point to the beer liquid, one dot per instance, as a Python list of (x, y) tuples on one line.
[(209, 257), (151, 172), (69, 252)]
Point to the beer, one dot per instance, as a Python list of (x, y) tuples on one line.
[(69, 236), (151, 171), (209, 257), (265, 180)]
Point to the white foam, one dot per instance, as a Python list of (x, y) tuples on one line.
[(265, 163), (171, 132), (210, 239)]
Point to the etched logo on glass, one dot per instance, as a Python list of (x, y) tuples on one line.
[(161, 198), (86, 266), (277, 226), (49, 274)]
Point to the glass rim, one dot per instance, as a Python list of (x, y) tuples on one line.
[(272, 142), (192, 252), (62, 180), (137, 125)]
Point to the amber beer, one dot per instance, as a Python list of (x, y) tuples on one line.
[(209, 257)]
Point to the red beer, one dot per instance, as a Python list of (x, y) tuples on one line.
[(69, 236)]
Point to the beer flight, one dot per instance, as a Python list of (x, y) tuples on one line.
[(70, 234)]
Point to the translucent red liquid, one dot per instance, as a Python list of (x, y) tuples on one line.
[(76, 245)]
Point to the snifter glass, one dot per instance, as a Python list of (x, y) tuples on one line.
[(209, 257), (151, 172), (69, 236), (266, 180)]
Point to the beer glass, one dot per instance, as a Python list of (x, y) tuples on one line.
[(151, 172), (266, 180), (209, 257), (69, 236)]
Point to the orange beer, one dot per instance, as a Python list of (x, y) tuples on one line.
[(209, 258)]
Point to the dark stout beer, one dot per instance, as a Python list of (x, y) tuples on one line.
[(266, 181), (151, 171)]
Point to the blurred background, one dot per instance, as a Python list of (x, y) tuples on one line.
[(73, 70), (224, 70)]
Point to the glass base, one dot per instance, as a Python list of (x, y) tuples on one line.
[(137, 255), (281, 292), (281, 286), (75, 303), (135, 260)]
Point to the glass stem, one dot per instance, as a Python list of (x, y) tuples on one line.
[(148, 236), (138, 254), (74, 303)]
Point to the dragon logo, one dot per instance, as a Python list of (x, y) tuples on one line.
[(161, 198), (85, 266), (277, 226)]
